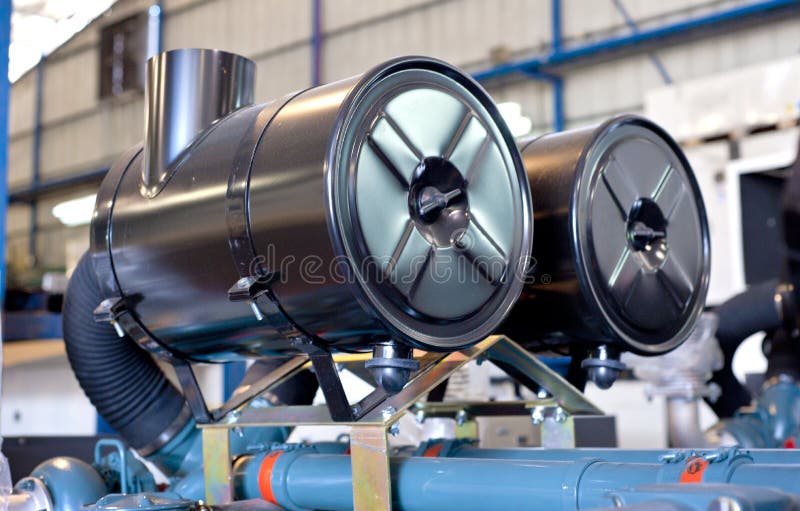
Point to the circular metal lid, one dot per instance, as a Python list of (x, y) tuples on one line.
[(643, 235), (434, 205)]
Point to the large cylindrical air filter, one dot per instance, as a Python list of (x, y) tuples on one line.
[(622, 246), (389, 206)]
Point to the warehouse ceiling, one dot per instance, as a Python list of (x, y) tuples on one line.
[(40, 26)]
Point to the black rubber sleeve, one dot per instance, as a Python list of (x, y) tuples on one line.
[(120, 379), (743, 315), (749, 312)]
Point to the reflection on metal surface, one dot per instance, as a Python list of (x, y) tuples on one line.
[(186, 92), (285, 194)]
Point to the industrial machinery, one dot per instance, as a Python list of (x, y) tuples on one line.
[(386, 221), (622, 246)]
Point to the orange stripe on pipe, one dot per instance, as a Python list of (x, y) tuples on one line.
[(265, 476), (433, 451)]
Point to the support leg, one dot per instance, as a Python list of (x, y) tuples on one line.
[(369, 454), (217, 466)]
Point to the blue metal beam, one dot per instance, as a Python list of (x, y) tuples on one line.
[(30, 194), (557, 82), (555, 21), (662, 70), (640, 41), (316, 42), (5, 41), (36, 153)]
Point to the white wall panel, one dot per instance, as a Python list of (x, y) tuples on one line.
[(248, 27), (70, 85), (18, 218), (590, 18), (461, 32), (342, 13), (284, 72), (21, 105), (91, 142), (20, 169)]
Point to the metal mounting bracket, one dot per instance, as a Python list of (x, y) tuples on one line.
[(371, 419)]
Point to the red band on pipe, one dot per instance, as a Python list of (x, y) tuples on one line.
[(433, 451), (265, 476)]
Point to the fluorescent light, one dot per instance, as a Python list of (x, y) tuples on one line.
[(76, 211), (512, 114)]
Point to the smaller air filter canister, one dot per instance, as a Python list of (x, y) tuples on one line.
[(622, 246)]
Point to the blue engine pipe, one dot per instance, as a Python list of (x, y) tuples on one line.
[(774, 421), (286, 477), (467, 449)]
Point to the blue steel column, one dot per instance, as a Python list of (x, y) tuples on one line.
[(5, 41), (557, 82), (662, 70), (316, 42), (36, 154)]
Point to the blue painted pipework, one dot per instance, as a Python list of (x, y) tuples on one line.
[(70, 482), (181, 459), (564, 484), (467, 449), (772, 422)]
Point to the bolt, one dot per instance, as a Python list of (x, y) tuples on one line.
[(233, 416), (718, 455), (481, 359), (238, 431), (355, 409), (118, 328), (461, 417), (560, 415), (388, 412), (256, 311), (259, 402), (394, 429), (725, 504), (671, 457), (537, 415), (420, 416)]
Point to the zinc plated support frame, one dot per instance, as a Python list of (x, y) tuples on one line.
[(369, 441)]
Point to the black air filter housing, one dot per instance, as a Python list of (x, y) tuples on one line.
[(622, 246), (391, 205)]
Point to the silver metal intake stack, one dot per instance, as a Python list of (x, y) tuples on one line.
[(186, 91)]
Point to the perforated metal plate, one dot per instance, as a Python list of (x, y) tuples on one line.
[(643, 234), (438, 207)]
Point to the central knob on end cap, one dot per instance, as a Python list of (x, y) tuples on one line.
[(431, 201)]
